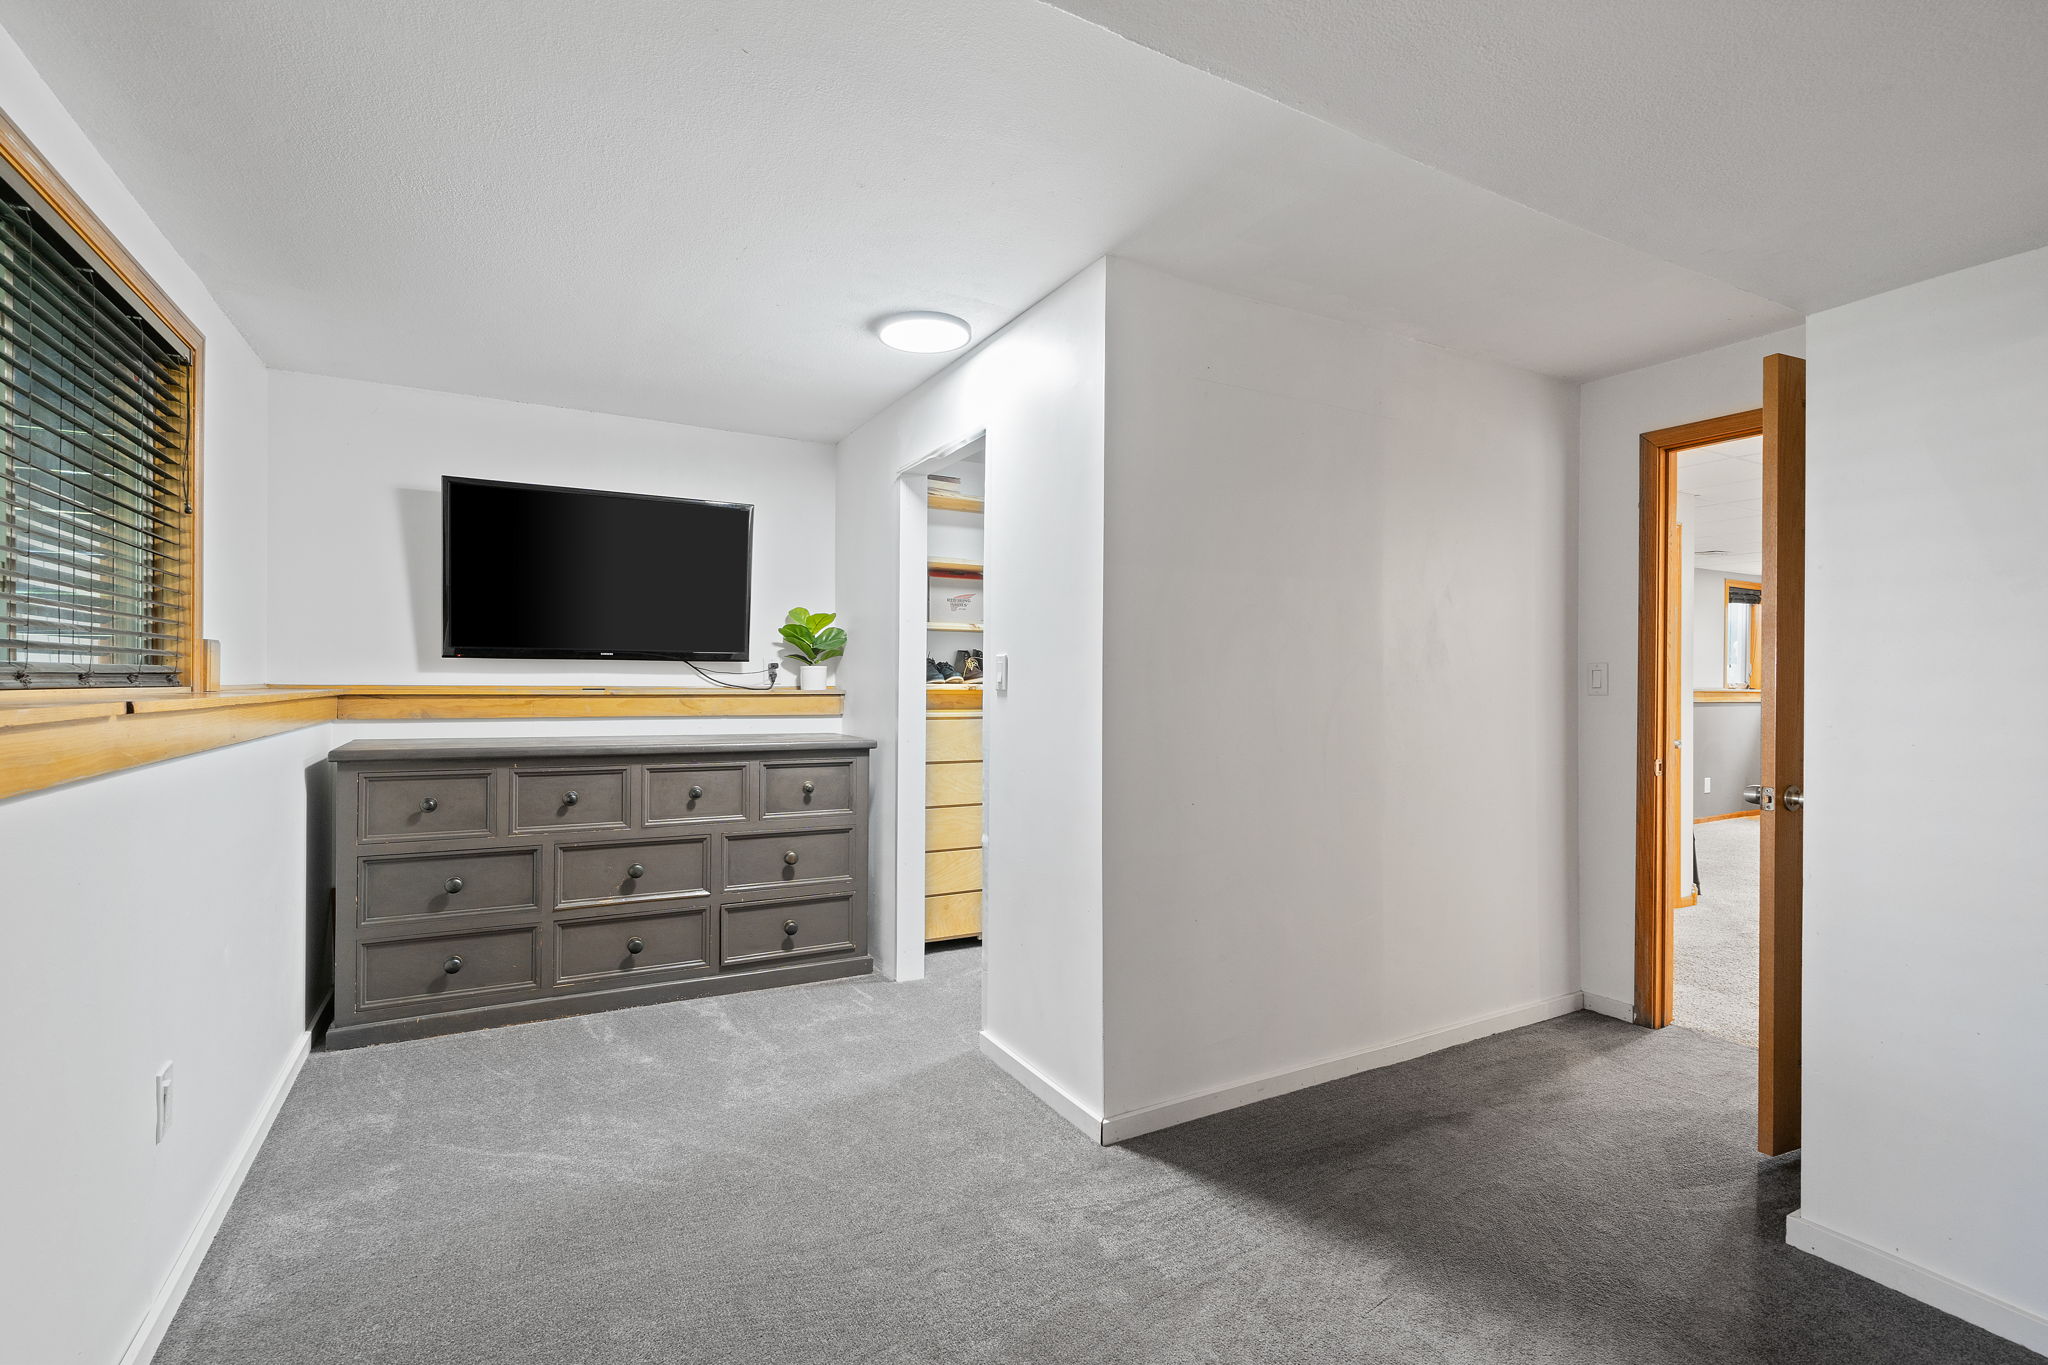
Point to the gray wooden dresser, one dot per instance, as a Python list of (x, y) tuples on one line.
[(492, 881)]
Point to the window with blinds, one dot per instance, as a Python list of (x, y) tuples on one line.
[(95, 577)]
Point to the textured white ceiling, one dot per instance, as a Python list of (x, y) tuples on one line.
[(693, 212), (1726, 483), (1814, 152)]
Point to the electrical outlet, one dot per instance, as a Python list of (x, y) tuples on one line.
[(1596, 680), (163, 1102), (1709, 787)]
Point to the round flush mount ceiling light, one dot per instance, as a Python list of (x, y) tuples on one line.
[(923, 332)]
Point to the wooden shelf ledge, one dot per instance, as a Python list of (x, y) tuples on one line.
[(947, 502), (47, 743), (954, 625), (953, 568), (1713, 695)]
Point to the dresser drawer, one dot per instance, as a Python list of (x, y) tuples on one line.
[(424, 973), (451, 805), (807, 788), (679, 795), (787, 858), (625, 945), (589, 873), (569, 798), (749, 935), (410, 886)]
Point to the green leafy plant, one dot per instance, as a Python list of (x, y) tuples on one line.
[(812, 637)]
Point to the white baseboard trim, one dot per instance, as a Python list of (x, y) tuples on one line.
[(1056, 1099), (156, 1320), (1931, 1287), (1609, 1006), (1133, 1123)]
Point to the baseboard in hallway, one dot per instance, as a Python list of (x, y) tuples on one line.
[(1916, 1281), (1047, 1090), (1150, 1119), (1609, 1006)]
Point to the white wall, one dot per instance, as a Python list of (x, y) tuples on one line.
[(1926, 997), (1036, 388), (1613, 415), (1337, 762), (355, 518), (131, 945)]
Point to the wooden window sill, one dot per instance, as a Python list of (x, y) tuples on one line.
[(47, 742)]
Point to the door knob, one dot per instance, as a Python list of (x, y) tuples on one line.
[(1754, 794), (1794, 798)]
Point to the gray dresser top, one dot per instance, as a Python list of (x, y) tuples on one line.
[(531, 747)]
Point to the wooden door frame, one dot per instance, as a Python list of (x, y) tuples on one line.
[(1659, 722), (1781, 422)]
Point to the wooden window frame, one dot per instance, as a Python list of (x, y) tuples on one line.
[(187, 559), (1756, 635)]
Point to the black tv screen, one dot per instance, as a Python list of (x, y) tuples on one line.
[(534, 572)]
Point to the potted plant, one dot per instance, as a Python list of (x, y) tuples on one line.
[(813, 639)]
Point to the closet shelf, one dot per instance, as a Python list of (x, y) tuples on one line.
[(953, 625), (947, 502), (954, 567)]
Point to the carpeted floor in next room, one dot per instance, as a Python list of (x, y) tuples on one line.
[(1716, 940), (832, 1173)]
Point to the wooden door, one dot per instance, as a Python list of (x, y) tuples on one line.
[(1784, 769)]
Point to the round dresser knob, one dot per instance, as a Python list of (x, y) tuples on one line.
[(810, 787), (636, 871), (634, 945), (696, 792), (789, 928), (452, 965), (790, 857), (430, 805), (570, 798), (454, 885)]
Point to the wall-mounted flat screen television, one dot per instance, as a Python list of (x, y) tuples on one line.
[(530, 571)]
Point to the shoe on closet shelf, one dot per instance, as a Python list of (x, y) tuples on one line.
[(933, 672), (970, 665)]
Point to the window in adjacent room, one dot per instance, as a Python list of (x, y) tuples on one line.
[(98, 539), (1744, 629)]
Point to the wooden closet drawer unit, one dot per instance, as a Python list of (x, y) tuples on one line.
[(470, 890), (787, 858), (431, 973), (410, 886), (450, 805), (952, 784), (677, 795), (623, 870), (593, 949), (807, 788), (952, 739), (569, 798), (771, 930)]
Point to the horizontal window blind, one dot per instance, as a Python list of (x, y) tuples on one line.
[(94, 584)]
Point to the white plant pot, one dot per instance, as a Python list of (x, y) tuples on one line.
[(811, 677)]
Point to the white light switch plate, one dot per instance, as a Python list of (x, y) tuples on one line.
[(1596, 680)]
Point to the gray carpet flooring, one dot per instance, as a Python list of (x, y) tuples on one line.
[(832, 1173), (1716, 943)]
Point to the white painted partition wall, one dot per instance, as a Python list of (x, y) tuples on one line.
[(1337, 769), (1926, 1007), (1036, 389)]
